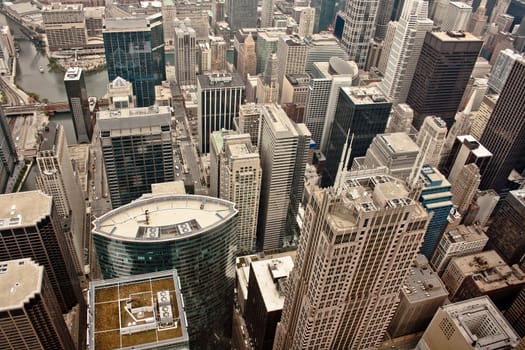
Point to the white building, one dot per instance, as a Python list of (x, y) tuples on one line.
[(431, 139), (306, 22), (185, 37), (457, 16)]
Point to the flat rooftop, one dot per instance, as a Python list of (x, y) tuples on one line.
[(476, 148), (164, 217), (455, 36), (220, 80), (22, 209), (399, 142), (73, 73), (270, 275), (137, 312), (21, 280), (49, 137), (135, 112), (365, 95), (464, 234), (423, 283)]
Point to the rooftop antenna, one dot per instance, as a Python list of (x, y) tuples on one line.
[(343, 164)]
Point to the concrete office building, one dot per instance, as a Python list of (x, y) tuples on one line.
[(501, 69), (442, 73), (431, 139), (235, 168), (295, 89), (268, 82), (306, 22), (482, 116), (31, 228), (219, 97), (406, 47), (457, 16), (437, 198), (247, 58), (284, 151), (291, 55), (65, 26), (249, 122), (465, 150), (465, 187), (483, 273), (30, 314), (141, 312), (359, 26), (460, 241), (8, 157), (145, 67), (266, 44), (77, 97), (321, 48), (241, 14), (266, 299), (469, 325), (478, 21), (267, 14), (120, 94), (56, 177), (421, 295), (169, 13), (344, 288), (184, 44), (197, 235), (137, 149), (327, 78), (508, 118), (361, 111), (383, 16), (400, 119), (515, 314), (387, 46), (506, 232)]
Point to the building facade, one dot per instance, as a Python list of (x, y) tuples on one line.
[(65, 26), (185, 50), (77, 97), (8, 157)]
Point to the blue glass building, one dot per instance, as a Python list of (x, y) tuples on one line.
[(134, 50), (437, 199)]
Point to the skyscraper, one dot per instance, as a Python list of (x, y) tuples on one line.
[(137, 148), (465, 187), (441, 75), (306, 22), (356, 248), (457, 16), (8, 157), (362, 112), (55, 177), (322, 48), (267, 14), (387, 46), (431, 139), (32, 229), (359, 26), (237, 174), (241, 14), (134, 50), (77, 97), (384, 12), (219, 97), (501, 69), (504, 134), (249, 122), (283, 148), (477, 21), (266, 45), (268, 82), (291, 55), (247, 59), (29, 311), (405, 50), (184, 43)]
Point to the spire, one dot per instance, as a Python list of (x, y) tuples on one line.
[(343, 164)]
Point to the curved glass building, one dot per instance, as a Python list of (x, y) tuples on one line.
[(194, 234)]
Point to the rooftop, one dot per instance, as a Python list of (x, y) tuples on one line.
[(463, 233), (73, 73), (136, 311), (422, 283), (49, 137), (164, 217), (133, 112), (220, 80), (455, 36), (365, 95), (20, 280), (399, 142), (482, 324), (476, 148), (270, 275), (22, 209)]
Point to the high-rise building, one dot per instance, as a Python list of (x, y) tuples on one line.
[(134, 50), (358, 242), (437, 198), (284, 151), (55, 177), (400, 119), (483, 273), (8, 157), (219, 97), (506, 232), (457, 16), (464, 188), (249, 121), (169, 13), (477, 21), (469, 325), (185, 51), (291, 55), (384, 13), (266, 298), (65, 26), (442, 73), (327, 78), (30, 314), (501, 69), (247, 59), (326, 10), (483, 205), (504, 22), (362, 112), (267, 14), (499, 8), (359, 26), (321, 48), (241, 14), (77, 97), (120, 94), (431, 139), (152, 316), (406, 47), (508, 118), (306, 22), (197, 235), (238, 178), (268, 83), (460, 241), (295, 89), (482, 116), (266, 45), (137, 149), (387, 46), (421, 295), (31, 228), (515, 314)]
